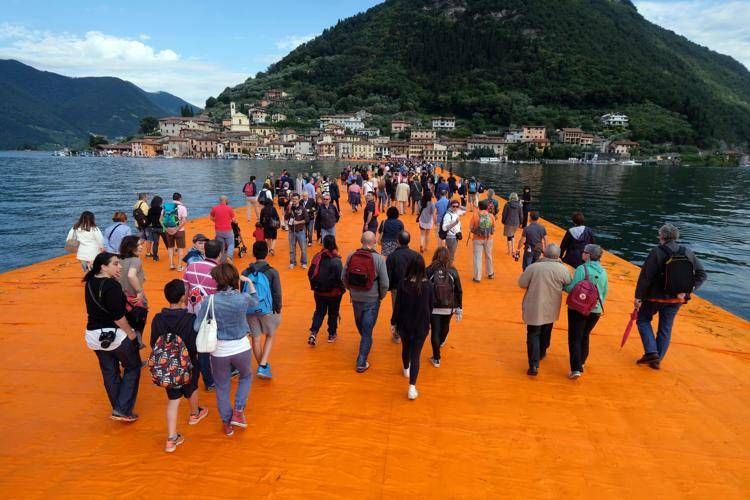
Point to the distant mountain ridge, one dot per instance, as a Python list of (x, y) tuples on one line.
[(507, 62), (47, 110)]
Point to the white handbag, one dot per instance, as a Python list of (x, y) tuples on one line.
[(206, 339)]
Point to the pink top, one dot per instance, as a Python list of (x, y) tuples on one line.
[(198, 282), (223, 215)]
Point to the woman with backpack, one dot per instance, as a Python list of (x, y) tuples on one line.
[(233, 351), (446, 284), (411, 316), (512, 218), (86, 238), (154, 229), (574, 241), (111, 337), (271, 222), (328, 288), (581, 316), (426, 219)]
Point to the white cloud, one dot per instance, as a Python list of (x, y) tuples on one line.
[(721, 26), (144, 37), (99, 54), (291, 42)]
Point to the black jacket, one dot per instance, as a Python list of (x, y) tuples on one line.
[(327, 217), (571, 248), (333, 189), (458, 292), (396, 264), (177, 321), (651, 279)]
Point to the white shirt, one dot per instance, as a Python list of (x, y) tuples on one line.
[(90, 243), (225, 348), (449, 218)]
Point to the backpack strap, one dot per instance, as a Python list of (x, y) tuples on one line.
[(91, 294), (113, 230)]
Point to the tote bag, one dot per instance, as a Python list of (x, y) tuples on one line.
[(206, 339)]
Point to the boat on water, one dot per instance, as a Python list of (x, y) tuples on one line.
[(61, 152), (629, 163), (489, 159)]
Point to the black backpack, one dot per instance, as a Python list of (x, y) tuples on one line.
[(443, 285), (679, 272), (140, 217), (323, 274)]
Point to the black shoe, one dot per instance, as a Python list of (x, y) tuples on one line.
[(312, 339), (542, 356), (655, 365), (491, 276), (532, 372), (648, 358)]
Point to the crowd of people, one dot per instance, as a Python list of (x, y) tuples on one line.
[(220, 318)]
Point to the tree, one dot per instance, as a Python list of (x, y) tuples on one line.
[(186, 110), (95, 140), (148, 125), (210, 102)]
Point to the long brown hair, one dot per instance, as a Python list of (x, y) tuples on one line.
[(442, 257), (86, 221)]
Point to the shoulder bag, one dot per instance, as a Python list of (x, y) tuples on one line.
[(207, 333)]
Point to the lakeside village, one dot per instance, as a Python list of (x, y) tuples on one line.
[(260, 134)]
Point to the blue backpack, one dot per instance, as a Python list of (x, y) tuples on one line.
[(170, 218), (263, 292)]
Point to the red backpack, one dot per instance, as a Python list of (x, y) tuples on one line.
[(584, 295), (360, 272)]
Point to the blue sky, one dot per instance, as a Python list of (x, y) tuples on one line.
[(195, 48)]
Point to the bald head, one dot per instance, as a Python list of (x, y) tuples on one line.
[(552, 251), (403, 238), (368, 239)]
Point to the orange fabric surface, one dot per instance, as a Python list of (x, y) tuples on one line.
[(480, 429)]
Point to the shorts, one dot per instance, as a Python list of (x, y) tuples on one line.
[(267, 324), (186, 390), (177, 239)]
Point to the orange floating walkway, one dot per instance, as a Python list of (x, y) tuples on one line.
[(480, 429)]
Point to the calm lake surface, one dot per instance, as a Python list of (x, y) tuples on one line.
[(41, 196)]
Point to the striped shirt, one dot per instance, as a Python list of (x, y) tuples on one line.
[(198, 280)]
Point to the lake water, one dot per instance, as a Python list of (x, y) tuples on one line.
[(41, 196)]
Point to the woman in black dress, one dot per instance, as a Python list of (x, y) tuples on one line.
[(526, 201), (270, 220)]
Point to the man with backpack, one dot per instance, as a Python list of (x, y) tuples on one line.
[(173, 220), (482, 228), (586, 295), (265, 319), (140, 215), (473, 190), (198, 285), (174, 360), (366, 277), (396, 264), (250, 190), (544, 281), (533, 240), (669, 275), (328, 288)]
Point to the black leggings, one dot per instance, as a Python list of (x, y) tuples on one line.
[(411, 350), (439, 326), (579, 329)]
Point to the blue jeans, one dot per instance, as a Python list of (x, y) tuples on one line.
[(310, 229), (297, 238), (529, 258), (222, 368), (365, 316), (227, 237), (667, 314)]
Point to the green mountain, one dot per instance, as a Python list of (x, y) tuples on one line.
[(47, 110), (507, 62)]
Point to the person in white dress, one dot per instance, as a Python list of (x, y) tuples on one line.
[(87, 239)]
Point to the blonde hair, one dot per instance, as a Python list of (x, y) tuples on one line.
[(513, 197)]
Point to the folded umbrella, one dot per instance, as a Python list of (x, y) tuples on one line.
[(633, 317)]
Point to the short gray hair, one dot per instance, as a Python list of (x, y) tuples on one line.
[(552, 251), (594, 251), (669, 232), (368, 238), (490, 193), (513, 197)]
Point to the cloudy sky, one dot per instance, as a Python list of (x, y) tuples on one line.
[(194, 49)]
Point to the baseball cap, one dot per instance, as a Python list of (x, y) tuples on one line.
[(199, 237)]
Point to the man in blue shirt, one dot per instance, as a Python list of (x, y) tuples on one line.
[(441, 206)]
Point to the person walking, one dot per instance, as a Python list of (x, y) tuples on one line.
[(482, 230), (526, 205), (396, 264), (411, 314), (87, 239), (132, 280), (670, 274), (296, 221), (140, 216), (446, 285), (173, 220), (335, 192), (355, 196), (544, 281), (328, 288), (111, 337), (265, 319), (416, 191), (402, 195), (575, 240), (370, 214), (115, 232), (311, 212), (154, 229), (388, 232), (580, 325), (511, 218), (283, 195), (425, 220), (175, 321), (328, 217), (271, 222), (533, 241), (451, 225), (250, 190), (473, 190), (366, 277), (233, 351), (222, 216)]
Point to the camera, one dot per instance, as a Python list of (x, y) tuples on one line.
[(106, 338)]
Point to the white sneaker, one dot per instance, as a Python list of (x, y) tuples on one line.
[(406, 372), (435, 362), (413, 393), (574, 375), (291, 266), (304, 266)]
